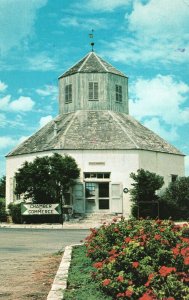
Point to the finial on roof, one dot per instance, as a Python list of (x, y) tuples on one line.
[(91, 36)]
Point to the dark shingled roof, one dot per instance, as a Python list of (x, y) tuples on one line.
[(92, 63), (92, 130)]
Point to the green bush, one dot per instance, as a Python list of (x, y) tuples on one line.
[(141, 259), (143, 193), (15, 212), (3, 214), (174, 202)]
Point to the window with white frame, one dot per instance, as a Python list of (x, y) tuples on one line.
[(118, 93), (68, 93), (99, 175), (93, 90)]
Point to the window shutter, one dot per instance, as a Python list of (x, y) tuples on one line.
[(118, 91), (78, 198), (93, 90), (116, 198), (68, 93), (90, 90)]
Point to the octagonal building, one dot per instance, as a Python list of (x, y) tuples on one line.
[(95, 128)]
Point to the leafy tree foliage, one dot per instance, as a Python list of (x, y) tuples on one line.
[(47, 178), (3, 214), (2, 186), (144, 188), (175, 200)]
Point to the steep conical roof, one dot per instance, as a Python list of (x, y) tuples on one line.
[(92, 63), (94, 130)]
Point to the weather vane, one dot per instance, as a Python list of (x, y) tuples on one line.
[(91, 36)]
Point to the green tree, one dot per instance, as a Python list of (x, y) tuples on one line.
[(3, 214), (2, 186), (144, 189), (46, 179), (174, 202)]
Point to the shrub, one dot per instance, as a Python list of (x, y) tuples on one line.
[(15, 212), (145, 184), (141, 259), (175, 200), (3, 214)]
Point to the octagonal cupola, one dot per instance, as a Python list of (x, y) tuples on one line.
[(93, 84)]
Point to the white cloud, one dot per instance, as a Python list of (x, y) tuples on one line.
[(158, 31), (21, 104), (48, 90), (17, 20), (3, 86), (105, 5), (155, 125), (85, 23), (187, 165), (41, 62), (44, 120), (7, 142), (160, 18), (161, 97)]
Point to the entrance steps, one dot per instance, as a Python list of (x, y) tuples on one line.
[(95, 218)]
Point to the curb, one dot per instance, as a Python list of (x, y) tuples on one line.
[(57, 227), (60, 281)]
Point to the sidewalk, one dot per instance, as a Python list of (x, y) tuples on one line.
[(66, 225)]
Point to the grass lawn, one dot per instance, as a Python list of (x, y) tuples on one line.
[(80, 284)]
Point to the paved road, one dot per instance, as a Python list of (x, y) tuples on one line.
[(22, 249), (23, 242)]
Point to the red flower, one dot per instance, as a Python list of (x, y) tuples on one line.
[(185, 251), (186, 260), (164, 271), (112, 252), (127, 239), (98, 265), (106, 282), (175, 251), (120, 278), (128, 293), (157, 237), (135, 264), (185, 240), (119, 295), (146, 296)]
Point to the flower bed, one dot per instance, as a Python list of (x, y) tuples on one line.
[(141, 260)]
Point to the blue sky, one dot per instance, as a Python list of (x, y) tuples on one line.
[(148, 40)]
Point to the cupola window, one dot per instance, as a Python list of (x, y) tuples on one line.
[(93, 91), (118, 93), (68, 93)]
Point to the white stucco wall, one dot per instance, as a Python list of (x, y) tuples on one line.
[(162, 163), (120, 163)]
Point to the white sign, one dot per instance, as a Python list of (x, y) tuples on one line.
[(40, 209)]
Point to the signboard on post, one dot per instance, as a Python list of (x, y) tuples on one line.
[(40, 209)]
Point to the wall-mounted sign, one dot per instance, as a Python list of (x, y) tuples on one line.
[(40, 209)]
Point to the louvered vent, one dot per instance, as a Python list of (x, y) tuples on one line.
[(93, 90)]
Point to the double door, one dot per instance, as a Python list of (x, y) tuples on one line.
[(97, 196)]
